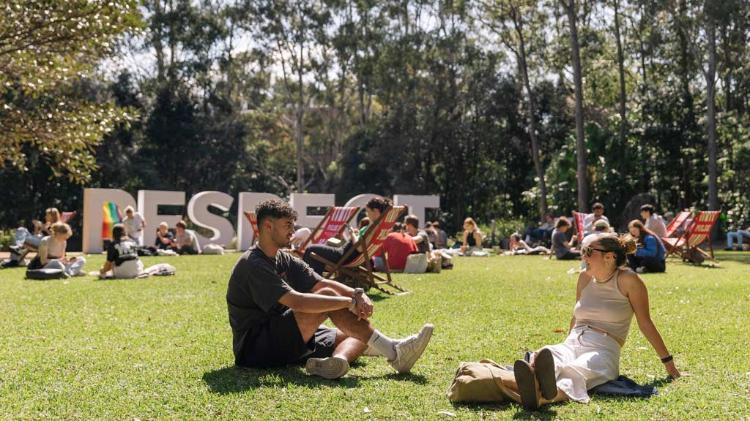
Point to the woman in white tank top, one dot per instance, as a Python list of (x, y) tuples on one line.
[(607, 297)]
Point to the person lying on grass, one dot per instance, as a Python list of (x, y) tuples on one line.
[(518, 246), (277, 304), (607, 297)]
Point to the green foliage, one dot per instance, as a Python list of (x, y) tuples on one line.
[(46, 50), (386, 97)]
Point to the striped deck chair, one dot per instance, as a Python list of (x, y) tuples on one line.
[(578, 218), (676, 223), (360, 268), (67, 216), (697, 233), (331, 226), (250, 215)]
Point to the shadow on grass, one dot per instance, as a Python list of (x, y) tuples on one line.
[(228, 380), (545, 413), (233, 379)]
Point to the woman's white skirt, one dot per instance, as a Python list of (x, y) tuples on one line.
[(128, 269), (585, 360)]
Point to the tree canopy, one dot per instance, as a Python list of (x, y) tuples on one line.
[(478, 101)]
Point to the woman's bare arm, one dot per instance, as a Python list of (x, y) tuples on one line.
[(638, 295)]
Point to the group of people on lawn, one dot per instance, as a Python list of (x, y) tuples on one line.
[(647, 233), (278, 302), (49, 239)]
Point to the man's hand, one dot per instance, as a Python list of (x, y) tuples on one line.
[(364, 307)]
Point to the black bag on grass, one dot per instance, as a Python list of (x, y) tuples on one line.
[(45, 274)]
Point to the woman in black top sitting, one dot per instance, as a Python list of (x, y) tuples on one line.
[(122, 256)]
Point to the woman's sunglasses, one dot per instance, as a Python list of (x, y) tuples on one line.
[(588, 251)]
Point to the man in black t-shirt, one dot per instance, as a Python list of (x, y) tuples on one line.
[(277, 304)]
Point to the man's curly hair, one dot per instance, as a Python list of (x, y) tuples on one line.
[(380, 203), (274, 209)]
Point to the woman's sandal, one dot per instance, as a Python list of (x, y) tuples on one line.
[(526, 384), (544, 370)]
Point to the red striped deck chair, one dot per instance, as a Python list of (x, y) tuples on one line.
[(697, 233), (578, 218), (360, 268), (676, 223), (67, 216), (250, 215), (331, 226)]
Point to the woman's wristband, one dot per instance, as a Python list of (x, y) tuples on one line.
[(667, 359)]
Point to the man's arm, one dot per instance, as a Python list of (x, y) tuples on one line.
[(364, 304), (314, 303)]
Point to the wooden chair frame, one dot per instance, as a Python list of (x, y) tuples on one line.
[(360, 269)]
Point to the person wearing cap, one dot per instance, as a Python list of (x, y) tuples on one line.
[(601, 226)]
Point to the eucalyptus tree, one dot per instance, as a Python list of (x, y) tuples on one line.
[(571, 10), (519, 24)]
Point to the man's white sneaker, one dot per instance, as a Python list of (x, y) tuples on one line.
[(640, 269), (410, 349), (328, 368)]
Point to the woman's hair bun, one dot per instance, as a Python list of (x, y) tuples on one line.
[(628, 244)]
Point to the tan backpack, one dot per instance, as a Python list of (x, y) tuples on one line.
[(481, 382)]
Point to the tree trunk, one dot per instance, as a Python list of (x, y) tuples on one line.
[(713, 192), (524, 70), (581, 176), (621, 72)]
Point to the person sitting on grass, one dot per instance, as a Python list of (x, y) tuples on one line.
[(424, 247), (51, 253), (602, 227), (653, 221), (431, 234), (185, 242), (374, 208), (26, 241), (472, 238), (134, 225), (737, 236), (277, 304), (441, 239), (397, 246), (563, 248), (607, 297), (542, 232), (164, 237), (520, 247), (651, 254), (122, 256), (590, 219)]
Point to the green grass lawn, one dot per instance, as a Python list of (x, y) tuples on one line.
[(161, 347)]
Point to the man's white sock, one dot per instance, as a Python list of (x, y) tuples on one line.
[(383, 345)]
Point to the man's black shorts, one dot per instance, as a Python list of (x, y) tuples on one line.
[(278, 342)]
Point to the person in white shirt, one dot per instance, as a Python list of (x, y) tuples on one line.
[(590, 219), (134, 225), (652, 221), (185, 242)]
